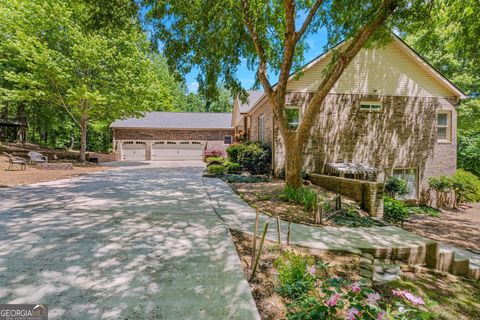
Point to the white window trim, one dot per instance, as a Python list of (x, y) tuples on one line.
[(417, 179), (261, 133), (299, 113), (370, 103), (448, 126)]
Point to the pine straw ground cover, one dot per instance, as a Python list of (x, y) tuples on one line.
[(265, 196), (447, 296)]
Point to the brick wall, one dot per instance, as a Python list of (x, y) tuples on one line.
[(266, 110), (401, 135), (368, 194)]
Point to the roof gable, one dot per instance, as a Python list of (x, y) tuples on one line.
[(392, 70)]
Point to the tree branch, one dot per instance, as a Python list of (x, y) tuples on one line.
[(308, 20), (346, 56), (262, 67)]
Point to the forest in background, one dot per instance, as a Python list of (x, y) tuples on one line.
[(72, 67), (69, 68)]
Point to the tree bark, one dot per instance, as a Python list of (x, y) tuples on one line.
[(294, 141), (293, 162), (83, 136)]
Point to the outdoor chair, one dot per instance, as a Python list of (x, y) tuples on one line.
[(37, 157), (12, 160)]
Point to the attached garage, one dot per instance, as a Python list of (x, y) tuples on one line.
[(171, 136), (177, 150), (133, 151)]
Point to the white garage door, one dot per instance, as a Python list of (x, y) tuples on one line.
[(177, 150), (133, 151)]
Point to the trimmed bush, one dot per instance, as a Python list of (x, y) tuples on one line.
[(215, 160), (466, 186), (395, 186), (232, 167), (213, 153), (442, 185), (234, 150), (216, 169), (394, 211), (252, 156)]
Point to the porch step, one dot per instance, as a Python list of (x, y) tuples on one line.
[(458, 261)]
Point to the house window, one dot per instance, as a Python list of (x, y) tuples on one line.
[(261, 128), (444, 127), (371, 106), (227, 140), (411, 178), (292, 114)]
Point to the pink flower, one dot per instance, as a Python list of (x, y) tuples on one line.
[(352, 313), (398, 293), (318, 283), (413, 299), (410, 297), (311, 270), (355, 287), (381, 315), (372, 298), (332, 301)]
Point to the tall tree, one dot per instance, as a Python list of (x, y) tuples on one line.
[(217, 35), (449, 41), (89, 58)]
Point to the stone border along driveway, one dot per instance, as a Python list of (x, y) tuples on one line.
[(141, 242), (381, 242)]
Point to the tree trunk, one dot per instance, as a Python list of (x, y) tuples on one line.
[(83, 136), (293, 163)]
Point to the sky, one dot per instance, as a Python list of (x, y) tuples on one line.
[(316, 43)]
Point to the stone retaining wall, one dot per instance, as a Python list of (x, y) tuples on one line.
[(368, 194)]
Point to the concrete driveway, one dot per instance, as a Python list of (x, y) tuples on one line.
[(136, 242)]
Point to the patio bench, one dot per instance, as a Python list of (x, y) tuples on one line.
[(37, 157)]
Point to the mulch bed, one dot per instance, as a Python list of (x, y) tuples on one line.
[(265, 197), (270, 304), (457, 227)]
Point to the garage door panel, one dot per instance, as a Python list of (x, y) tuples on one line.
[(133, 151), (167, 150)]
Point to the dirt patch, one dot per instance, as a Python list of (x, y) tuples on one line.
[(14, 177), (270, 304), (265, 197), (457, 227)]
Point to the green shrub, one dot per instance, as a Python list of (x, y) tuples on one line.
[(442, 185), (304, 196), (215, 160), (293, 274), (216, 169), (466, 186), (255, 157), (234, 150), (252, 156), (395, 186), (394, 211), (232, 167)]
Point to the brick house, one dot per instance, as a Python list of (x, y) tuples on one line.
[(390, 109), (171, 135)]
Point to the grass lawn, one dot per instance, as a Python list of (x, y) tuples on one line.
[(449, 297)]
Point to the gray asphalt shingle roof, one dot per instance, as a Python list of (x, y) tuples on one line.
[(253, 97), (177, 120)]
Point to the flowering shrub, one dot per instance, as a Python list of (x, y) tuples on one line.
[(214, 153), (313, 295)]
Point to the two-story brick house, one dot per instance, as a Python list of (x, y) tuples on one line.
[(390, 109)]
